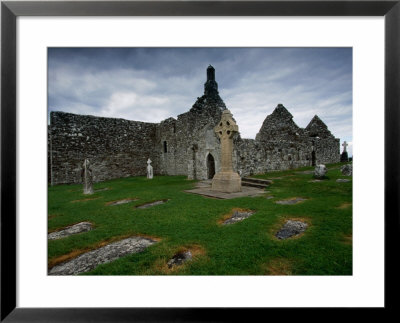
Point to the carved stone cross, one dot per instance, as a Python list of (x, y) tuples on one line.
[(344, 146), (226, 180), (225, 130)]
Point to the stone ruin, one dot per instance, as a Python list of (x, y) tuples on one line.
[(186, 145)]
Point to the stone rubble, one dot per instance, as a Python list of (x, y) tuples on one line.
[(73, 229), (90, 260)]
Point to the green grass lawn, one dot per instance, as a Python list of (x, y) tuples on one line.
[(189, 221)]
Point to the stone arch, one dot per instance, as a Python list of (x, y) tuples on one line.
[(210, 166)]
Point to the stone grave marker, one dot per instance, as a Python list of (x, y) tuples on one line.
[(90, 260), (320, 171), (291, 228), (347, 170), (73, 229), (147, 205), (149, 169), (237, 216), (179, 259), (226, 180), (87, 178)]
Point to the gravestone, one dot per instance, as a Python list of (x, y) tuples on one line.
[(320, 171), (149, 169), (344, 157), (291, 228), (73, 229), (226, 180), (179, 259), (238, 216), (87, 178), (347, 170)]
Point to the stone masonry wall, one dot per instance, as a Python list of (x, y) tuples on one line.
[(115, 147), (190, 139), (183, 146)]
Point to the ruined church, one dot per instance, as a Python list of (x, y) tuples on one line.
[(186, 145)]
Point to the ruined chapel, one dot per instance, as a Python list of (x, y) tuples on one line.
[(183, 146)]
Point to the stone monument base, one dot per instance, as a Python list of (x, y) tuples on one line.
[(228, 182), (344, 157)]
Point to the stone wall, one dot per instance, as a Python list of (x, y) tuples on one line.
[(281, 144), (183, 146), (115, 147), (190, 139)]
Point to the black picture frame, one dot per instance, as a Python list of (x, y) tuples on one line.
[(10, 10)]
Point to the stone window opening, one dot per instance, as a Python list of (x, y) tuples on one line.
[(165, 147)]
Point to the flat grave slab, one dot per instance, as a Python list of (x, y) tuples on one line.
[(307, 172), (150, 204), (124, 201), (238, 215), (73, 229), (291, 228), (101, 189), (179, 259), (206, 191), (291, 201), (342, 180), (90, 260)]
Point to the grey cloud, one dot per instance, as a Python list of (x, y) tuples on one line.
[(151, 84)]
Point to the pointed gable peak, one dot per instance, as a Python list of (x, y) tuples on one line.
[(316, 121), (282, 112)]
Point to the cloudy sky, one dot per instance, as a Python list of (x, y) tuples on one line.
[(152, 84)]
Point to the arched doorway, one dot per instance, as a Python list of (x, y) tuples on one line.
[(210, 166), (313, 158)]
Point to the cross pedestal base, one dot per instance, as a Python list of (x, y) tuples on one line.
[(228, 182)]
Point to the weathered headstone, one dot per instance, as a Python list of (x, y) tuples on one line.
[(347, 170), (320, 171), (149, 169), (226, 180), (87, 178)]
